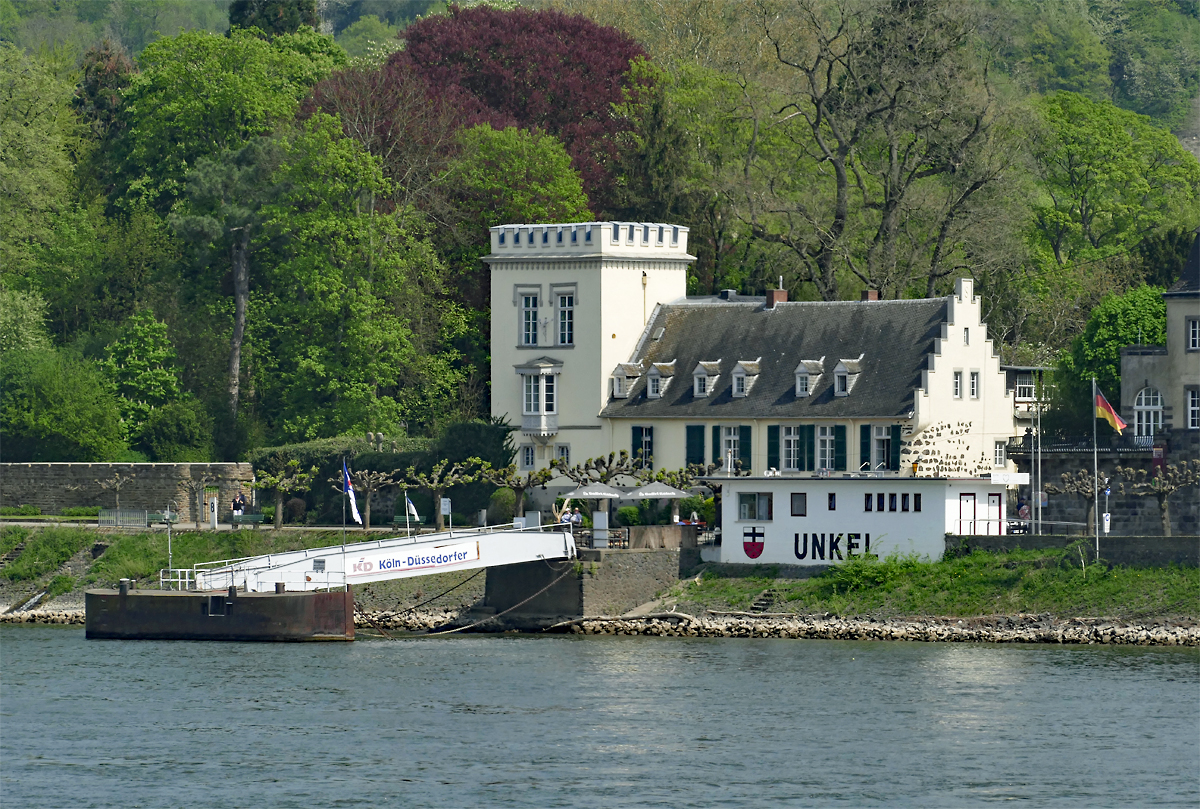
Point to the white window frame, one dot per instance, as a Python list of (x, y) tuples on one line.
[(966, 336), (761, 506), (841, 384), (700, 386), (655, 386), (529, 317), (731, 440), (826, 447), (562, 452), (1024, 388), (1193, 409), (974, 381), (739, 384), (881, 446), (790, 455), (620, 390), (564, 301), (958, 388), (528, 457), (803, 385), (1193, 334), (1148, 412), (1000, 454), (539, 394)]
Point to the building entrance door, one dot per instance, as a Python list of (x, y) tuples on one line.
[(966, 514)]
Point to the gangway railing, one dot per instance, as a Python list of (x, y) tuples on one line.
[(334, 566)]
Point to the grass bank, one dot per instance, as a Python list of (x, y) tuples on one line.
[(1053, 581)]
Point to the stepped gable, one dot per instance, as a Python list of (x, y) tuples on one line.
[(1188, 285), (893, 337)]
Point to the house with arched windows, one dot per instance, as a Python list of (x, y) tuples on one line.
[(1160, 385)]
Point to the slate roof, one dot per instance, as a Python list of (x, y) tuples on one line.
[(895, 338), (1188, 285)]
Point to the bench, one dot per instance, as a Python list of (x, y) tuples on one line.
[(415, 523), (247, 519)]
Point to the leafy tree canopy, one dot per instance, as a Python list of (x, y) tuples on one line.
[(199, 94), (274, 17), (22, 321), (140, 363), (534, 69)]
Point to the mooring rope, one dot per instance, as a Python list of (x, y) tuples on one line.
[(570, 569)]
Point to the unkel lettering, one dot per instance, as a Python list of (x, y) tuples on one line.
[(818, 545)]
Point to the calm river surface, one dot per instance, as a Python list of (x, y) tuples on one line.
[(482, 721)]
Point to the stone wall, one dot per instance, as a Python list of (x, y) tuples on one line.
[(55, 486), (602, 582), (1151, 551), (1131, 516)]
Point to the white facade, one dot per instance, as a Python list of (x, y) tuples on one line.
[(611, 275), (573, 304), (822, 521)]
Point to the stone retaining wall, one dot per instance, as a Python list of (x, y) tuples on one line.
[(55, 486), (1152, 551)]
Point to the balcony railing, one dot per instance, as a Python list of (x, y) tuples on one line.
[(540, 424), (1027, 445)]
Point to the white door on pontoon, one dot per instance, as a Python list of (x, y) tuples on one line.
[(993, 516), (966, 514)]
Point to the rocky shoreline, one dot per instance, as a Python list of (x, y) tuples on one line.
[(992, 629)]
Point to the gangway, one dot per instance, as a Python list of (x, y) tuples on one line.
[(337, 566)]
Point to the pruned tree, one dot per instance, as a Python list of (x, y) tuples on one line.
[(605, 469), (115, 483), (368, 482), (685, 478), (1081, 485), (196, 486), (509, 477), (442, 476), (288, 479), (1170, 479)]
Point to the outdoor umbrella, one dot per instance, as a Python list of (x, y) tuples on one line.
[(593, 491), (656, 491)]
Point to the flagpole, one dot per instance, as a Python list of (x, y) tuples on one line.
[(343, 503), (1095, 472)]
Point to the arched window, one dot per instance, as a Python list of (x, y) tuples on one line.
[(1148, 409)]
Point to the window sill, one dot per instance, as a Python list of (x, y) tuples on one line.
[(546, 348)]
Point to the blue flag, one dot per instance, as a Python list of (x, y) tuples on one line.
[(348, 488)]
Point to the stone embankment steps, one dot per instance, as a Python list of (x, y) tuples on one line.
[(766, 599), (11, 555)]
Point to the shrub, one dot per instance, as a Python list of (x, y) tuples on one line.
[(629, 515), (19, 511), (294, 510), (178, 432), (81, 511), (500, 506), (59, 585), (46, 549)]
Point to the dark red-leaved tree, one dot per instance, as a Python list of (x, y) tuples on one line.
[(392, 113), (541, 69)]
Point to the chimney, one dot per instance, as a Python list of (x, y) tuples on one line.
[(775, 296), (870, 294), (727, 294)]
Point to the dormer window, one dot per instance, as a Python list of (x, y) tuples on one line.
[(587, 235), (559, 236), (744, 375), (502, 238), (845, 373), (704, 378), (655, 389), (574, 235), (623, 378), (808, 374), (658, 378)]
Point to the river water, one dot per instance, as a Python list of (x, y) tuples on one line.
[(482, 721)]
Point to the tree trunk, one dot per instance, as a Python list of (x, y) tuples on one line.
[(366, 515), (239, 258), (438, 522), (200, 506), (1165, 513), (278, 509), (519, 501)]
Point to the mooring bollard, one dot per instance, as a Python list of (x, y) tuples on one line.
[(280, 587), (123, 587)]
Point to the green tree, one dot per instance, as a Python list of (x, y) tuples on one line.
[(141, 365), (352, 336), (177, 432), (198, 94), (274, 17), (38, 135), (22, 321), (57, 407), (1108, 178), (1137, 317), (367, 35)]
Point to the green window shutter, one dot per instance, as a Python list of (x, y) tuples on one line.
[(773, 446), (839, 448), (808, 447), (635, 444), (894, 461), (695, 444), (744, 447), (864, 448), (716, 446), (648, 442)]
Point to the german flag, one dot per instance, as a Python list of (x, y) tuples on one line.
[(1105, 411)]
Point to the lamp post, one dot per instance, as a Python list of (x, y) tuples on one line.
[(170, 556)]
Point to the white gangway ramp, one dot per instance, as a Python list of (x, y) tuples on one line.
[(382, 559)]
